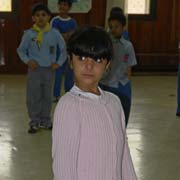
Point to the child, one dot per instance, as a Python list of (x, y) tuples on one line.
[(66, 26), (117, 80), (115, 11), (89, 137), (38, 50)]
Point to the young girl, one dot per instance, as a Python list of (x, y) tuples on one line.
[(89, 137), (118, 78)]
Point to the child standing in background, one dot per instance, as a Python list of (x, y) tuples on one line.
[(66, 26), (115, 11), (117, 79), (38, 50), (89, 136)]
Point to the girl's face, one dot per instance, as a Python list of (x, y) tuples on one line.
[(88, 72), (116, 28), (41, 18), (64, 7)]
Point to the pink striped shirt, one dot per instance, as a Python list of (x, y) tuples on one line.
[(89, 139)]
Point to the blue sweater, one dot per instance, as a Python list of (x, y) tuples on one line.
[(46, 54), (64, 24)]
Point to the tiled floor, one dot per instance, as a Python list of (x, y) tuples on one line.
[(153, 131)]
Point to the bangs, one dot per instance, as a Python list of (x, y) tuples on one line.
[(118, 17), (40, 7), (96, 51), (91, 43)]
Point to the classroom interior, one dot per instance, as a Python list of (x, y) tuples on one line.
[(153, 129)]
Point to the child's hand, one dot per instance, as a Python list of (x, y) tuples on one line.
[(32, 64), (54, 66)]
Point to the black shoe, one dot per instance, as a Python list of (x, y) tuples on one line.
[(32, 130)]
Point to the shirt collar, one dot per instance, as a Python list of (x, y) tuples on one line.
[(64, 19), (118, 40), (80, 92)]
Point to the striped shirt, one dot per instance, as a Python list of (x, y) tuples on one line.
[(89, 139)]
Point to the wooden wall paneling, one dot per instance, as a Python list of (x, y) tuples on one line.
[(81, 19), (2, 46), (141, 35), (98, 13), (155, 41), (9, 43), (173, 27), (162, 27), (177, 22), (11, 40)]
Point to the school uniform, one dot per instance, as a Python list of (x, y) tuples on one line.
[(63, 25), (125, 34), (116, 79), (40, 81), (89, 138)]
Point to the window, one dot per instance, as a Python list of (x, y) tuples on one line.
[(138, 6), (141, 9), (8, 8), (5, 5)]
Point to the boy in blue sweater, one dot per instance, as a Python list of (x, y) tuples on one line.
[(66, 25), (38, 50)]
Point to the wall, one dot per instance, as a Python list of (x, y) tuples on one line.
[(156, 41), (15, 26)]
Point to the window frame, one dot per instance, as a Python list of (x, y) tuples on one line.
[(150, 16), (13, 13)]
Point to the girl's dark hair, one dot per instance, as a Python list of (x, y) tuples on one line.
[(67, 1), (118, 17), (93, 42), (40, 7), (116, 10)]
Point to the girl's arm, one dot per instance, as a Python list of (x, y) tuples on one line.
[(65, 147)]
